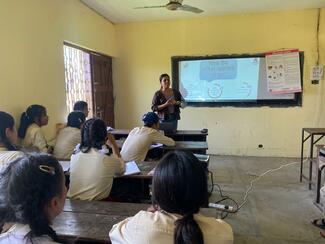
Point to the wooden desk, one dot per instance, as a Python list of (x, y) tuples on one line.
[(199, 147), (319, 133), (91, 221), (179, 135)]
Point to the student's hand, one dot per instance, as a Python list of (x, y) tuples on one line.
[(112, 143), (152, 209), (110, 139), (50, 149)]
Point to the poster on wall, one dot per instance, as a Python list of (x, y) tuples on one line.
[(283, 71)]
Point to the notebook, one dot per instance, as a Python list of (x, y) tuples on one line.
[(131, 168), (65, 165)]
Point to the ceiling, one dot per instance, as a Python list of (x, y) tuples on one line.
[(122, 11)]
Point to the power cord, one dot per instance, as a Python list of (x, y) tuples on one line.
[(224, 212)]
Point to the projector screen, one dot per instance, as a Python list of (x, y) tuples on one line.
[(226, 81)]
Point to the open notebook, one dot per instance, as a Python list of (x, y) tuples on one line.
[(131, 168)]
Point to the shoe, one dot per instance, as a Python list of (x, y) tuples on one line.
[(320, 223)]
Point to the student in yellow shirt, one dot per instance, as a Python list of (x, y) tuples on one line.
[(29, 130), (8, 139), (32, 194), (179, 189), (92, 167)]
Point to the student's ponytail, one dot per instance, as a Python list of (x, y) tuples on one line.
[(180, 186), (29, 117), (187, 231), (24, 123)]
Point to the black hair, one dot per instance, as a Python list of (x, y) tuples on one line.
[(33, 113), (180, 186), (93, 134), (76, 119), (80, 106), (6, 121), (163, 76), (27, 185)]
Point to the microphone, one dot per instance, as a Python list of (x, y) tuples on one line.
[(221, 206)]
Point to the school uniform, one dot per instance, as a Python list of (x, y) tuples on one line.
[(16, 234), (66, 141), (34, 138), (7, 156), (91, 174), (158, 228), (139, 140)]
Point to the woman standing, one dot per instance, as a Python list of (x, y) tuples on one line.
[(167, 102)]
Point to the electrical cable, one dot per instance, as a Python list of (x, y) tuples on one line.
[(249, 189)]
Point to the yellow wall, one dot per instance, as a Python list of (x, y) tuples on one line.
[(32, 68), (145, 50), (31, 44)]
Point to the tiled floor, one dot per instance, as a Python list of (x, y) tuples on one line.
[(279, 208)]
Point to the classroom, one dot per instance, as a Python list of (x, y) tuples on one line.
[(243, 141)]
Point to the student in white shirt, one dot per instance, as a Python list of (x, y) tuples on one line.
[(69, 137), (8, 140), (32, 194), (92, 168), (29, 130), (179, 190), (139, 139)]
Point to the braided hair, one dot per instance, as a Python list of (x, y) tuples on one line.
[(6, 122), (27, 186), (32, 114), (180, 186), (93, 134)]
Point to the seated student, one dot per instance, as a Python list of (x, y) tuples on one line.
[(179, 190), (70, 136), (92, 168), (81, 106), (320, 223), (32, 194), (139, 139), (8, 139), (29, 130)]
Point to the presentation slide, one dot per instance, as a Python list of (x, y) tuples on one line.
[(224, 80)]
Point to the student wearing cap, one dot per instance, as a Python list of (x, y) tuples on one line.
[(139, 140)]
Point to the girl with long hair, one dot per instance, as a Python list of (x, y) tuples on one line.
[(179, 189)]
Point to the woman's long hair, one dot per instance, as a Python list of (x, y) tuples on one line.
[(27, 186), (33, 113), (6, 122), (180, 186), (93, 134)]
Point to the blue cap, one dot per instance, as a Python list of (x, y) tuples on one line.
[(150, 118)]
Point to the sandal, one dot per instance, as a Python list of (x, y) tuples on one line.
[(320, 223)]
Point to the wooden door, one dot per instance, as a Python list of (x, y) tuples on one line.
[(102, 82)]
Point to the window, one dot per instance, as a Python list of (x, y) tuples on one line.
[(77, 77)]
